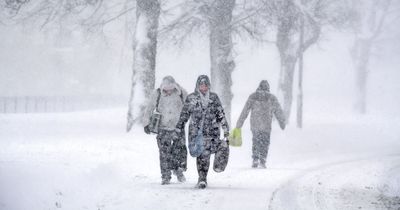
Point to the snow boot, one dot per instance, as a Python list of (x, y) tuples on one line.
[(255, 164), (165, 181), (179, 175), (201, 184)]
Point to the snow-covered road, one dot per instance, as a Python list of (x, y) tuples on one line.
[(371, 183), (85, 160)]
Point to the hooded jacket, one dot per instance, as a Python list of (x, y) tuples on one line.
[(209, 105), (169, 106), (263, 106)]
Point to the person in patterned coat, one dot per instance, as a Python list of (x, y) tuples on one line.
[(205, 111)]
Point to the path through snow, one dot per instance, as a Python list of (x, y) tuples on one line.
[(85, 160)]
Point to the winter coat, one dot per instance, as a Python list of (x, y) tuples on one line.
[(195, 106), (169, 106), (263, 106)]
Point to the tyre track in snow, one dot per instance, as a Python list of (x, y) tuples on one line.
[(369, 183)]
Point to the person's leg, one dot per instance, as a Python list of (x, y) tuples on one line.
[(256, 148), (264, 147), (179, 158), (203, 164), (182, 155), (164, 148)]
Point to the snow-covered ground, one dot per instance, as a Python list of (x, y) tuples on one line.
[(86, 160)]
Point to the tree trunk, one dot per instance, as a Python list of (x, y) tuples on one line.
[(285, 88), (300, 84), (363, 51), (288, 50), (222, 63), (377, 12), (144, 58)]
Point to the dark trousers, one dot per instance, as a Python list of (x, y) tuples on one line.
[(173, 152), (203, 161), (261, 141)]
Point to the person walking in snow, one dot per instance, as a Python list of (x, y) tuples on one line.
[(263, 106), (206, 115), (168, 99)]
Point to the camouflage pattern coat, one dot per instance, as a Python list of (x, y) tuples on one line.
[(214, 116)]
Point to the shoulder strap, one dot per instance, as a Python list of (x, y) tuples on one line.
[(158, 98)]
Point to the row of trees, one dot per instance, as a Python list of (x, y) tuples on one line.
[(296, 24), (218, 20)]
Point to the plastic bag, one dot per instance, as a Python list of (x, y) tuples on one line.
[(196, 145), (235, 139), (221, 157)]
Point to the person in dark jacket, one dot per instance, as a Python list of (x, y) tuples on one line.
[(205, 111), (263, 106), (173, 153)]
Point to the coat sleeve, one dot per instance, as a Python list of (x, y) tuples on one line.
[(278, 112), (185, 114), (221, 119), (151, 105), (245, 112)]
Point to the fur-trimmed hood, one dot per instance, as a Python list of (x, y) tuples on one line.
[(168, 82)]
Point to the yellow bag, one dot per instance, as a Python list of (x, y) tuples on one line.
[(235, 138)]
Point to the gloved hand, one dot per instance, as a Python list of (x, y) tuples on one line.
[(226, 134), (147, 129), (282, 125), (226, 137)]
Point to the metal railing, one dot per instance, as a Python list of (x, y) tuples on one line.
[(36, 104)]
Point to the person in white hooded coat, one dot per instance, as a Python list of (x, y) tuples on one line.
[(173, 153)]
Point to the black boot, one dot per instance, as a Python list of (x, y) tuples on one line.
[(165, 181), (179, 175), (255, 164), (202, 183)]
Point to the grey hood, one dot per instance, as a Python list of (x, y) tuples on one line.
[(200, 79), (262, 92), (263, 86), (205, 99)]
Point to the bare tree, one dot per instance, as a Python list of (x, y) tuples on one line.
[(221, 46), (93, 16), (145, 49), (219, 21), (372, 17), (292, 17)]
